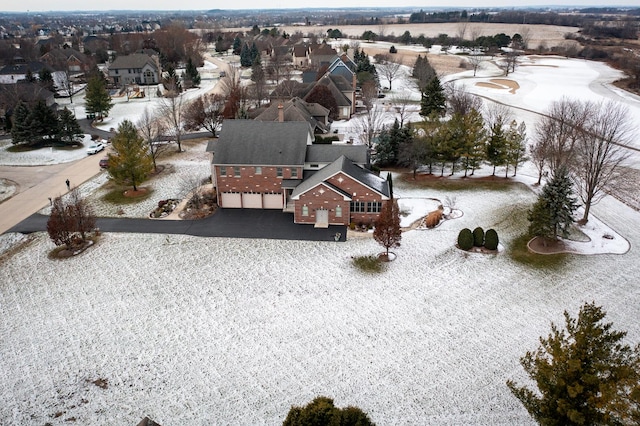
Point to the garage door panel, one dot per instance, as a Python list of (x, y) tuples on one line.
[(231, 200), (251, 201), (272, 201)]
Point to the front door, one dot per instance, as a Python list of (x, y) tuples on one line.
[(322, 218)]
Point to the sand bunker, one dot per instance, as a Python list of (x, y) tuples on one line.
[(500, 83)]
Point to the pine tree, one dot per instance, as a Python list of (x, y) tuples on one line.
[(322, 412), (245, 56), (584, 374), (69, 129), (191, 74), (237, 45), (387, 230), (21, 132), (516, 148), (130, 163), (97, 97), (552, 214), (433, 99), (44, 124), (497, 147), (46, 79)]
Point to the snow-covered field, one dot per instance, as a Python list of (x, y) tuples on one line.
[(192, 331)]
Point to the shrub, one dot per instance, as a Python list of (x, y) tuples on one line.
[(478, 237), (465, 239), (352, 226), (393, 49), (433, 218), (491, 240), (368, 264)]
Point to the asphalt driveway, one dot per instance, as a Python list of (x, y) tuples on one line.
[(231, 223)]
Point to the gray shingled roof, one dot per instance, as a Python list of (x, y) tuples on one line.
[(262, 143), (135, 60), (344, 165), (322, 153), (296, 110)]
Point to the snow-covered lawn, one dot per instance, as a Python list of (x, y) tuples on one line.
[(191, 330)]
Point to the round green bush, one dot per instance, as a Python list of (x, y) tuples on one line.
[(491, 240), (478, 237), (465, 239)]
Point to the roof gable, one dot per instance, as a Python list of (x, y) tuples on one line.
[(345, 166)]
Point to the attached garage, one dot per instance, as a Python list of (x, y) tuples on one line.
[(231, 200), (272, 201), (251, 201)]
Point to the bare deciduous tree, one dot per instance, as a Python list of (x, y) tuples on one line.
[(387, 68), (370, 124), (599, 150), (460, 101), (151, 127)]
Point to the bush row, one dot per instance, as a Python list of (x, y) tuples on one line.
[(468, 239)]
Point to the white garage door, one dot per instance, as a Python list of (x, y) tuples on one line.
[(231, 200), (251, 201), (272, 201)]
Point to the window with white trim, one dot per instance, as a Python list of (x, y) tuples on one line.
[(338, 211), (279, 171), (236, 171), (374, 207), (223, 171), (305, 210), (358, 207), (258, 170), (294, 173)]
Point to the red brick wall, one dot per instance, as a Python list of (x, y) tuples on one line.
[(249, 181), (330, 199), (321, 197)]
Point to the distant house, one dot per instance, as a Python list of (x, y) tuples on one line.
[(296, 109), (343, 92), (321, 55), (28, 93), (273, 165), (68, 60), (14, 73), (301, 56), (137, 68)]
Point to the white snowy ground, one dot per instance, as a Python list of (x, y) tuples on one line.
[(194, 330)]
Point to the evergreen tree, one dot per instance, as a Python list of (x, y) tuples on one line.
[(387, 230), (469, 129), (423, 72), (433, 99), (130, 163), (172, 81), (69, 129), (21, 132), (497, 147), (191, 74), (44, 124), (322, 412), (237, 45), (29, 77), (584, 374), (98, 100), (516, 147), (245, 56), (552, 214), (46, 79), (254, 53)]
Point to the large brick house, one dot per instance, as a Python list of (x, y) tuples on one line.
[(274, 165)]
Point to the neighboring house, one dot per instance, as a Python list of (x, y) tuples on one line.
[(343, 92), (321, 55), (68, 60), (28, 93), (301, 56), (296, 109), (13, 73), (137, 68), (273, 165)]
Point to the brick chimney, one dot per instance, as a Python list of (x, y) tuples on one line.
[(281, 113)]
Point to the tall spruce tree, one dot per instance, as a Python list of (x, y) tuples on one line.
[(44, 124), (552, 214), (69, 129), (191, 74), (433, 99), (98, 100), (584, 374), (21, 132), (130, 164)]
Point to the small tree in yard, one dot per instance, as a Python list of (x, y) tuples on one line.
[(97, 98), (584, 374), (130, 164), (491, 240), (552, 214), (387, 228), (322, 412), (69, 218), (69, 129), (465, 239)]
